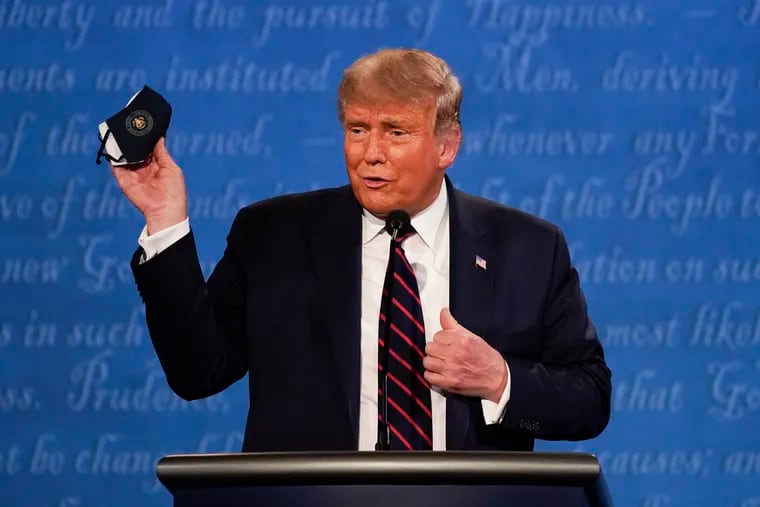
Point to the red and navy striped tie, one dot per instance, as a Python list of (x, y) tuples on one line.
[(409, 406)]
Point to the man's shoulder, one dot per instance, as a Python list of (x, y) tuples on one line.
[(294, 207), (499, 218)]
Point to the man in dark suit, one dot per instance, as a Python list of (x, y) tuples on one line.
[(507, 352)]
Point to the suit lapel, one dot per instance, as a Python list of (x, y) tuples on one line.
[(470, 292), (337, 264)]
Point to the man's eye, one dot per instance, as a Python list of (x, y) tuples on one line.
[(397, 133)]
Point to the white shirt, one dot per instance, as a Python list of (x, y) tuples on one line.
[(428, 253)]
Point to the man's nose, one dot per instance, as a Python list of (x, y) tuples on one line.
[(374, 152)]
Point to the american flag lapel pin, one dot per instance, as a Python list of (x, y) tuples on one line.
[(480, 262)]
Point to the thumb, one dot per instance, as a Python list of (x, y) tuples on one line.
[(161, 154), (447, 320)]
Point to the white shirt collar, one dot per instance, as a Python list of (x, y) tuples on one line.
[(427, 222)]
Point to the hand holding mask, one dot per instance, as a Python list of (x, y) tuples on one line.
[(133, 142), (128, 137)]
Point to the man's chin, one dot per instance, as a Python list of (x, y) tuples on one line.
[(377, 209), (378, 212), (372, 200)]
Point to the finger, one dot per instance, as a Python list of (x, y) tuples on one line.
[(116, 174), (161, 154), (434, 364), (435, 379), (443, 381), (134, 173), (160, 148), (121, 174), (436, 349), (448, 321)]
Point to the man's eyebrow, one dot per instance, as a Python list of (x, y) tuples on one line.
[(390, 122), (394, 123)]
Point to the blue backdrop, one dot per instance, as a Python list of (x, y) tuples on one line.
[(634, 125)]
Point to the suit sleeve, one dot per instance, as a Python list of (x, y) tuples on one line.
[(197, 327), (566, 395)]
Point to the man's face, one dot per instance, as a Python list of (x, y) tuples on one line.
[(393, 157)]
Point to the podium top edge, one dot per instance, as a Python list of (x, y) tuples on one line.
[(371, 467)]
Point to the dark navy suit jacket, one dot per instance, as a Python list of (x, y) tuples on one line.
[(283, 305)]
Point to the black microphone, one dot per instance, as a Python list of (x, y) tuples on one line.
[(394, 223)]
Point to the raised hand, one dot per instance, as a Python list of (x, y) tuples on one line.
[(157, 189)]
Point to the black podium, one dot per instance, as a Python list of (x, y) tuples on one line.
[(387, 479)]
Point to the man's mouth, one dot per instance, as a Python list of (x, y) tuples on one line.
[(375, 182)]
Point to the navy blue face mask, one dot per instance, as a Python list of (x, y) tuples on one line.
[(128, 137)]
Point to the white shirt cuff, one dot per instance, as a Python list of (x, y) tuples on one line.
[(493, 413), (163, 239)]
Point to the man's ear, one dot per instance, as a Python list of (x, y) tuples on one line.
[(449, 141)]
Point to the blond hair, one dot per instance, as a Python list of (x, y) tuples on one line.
[(407, 75)]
